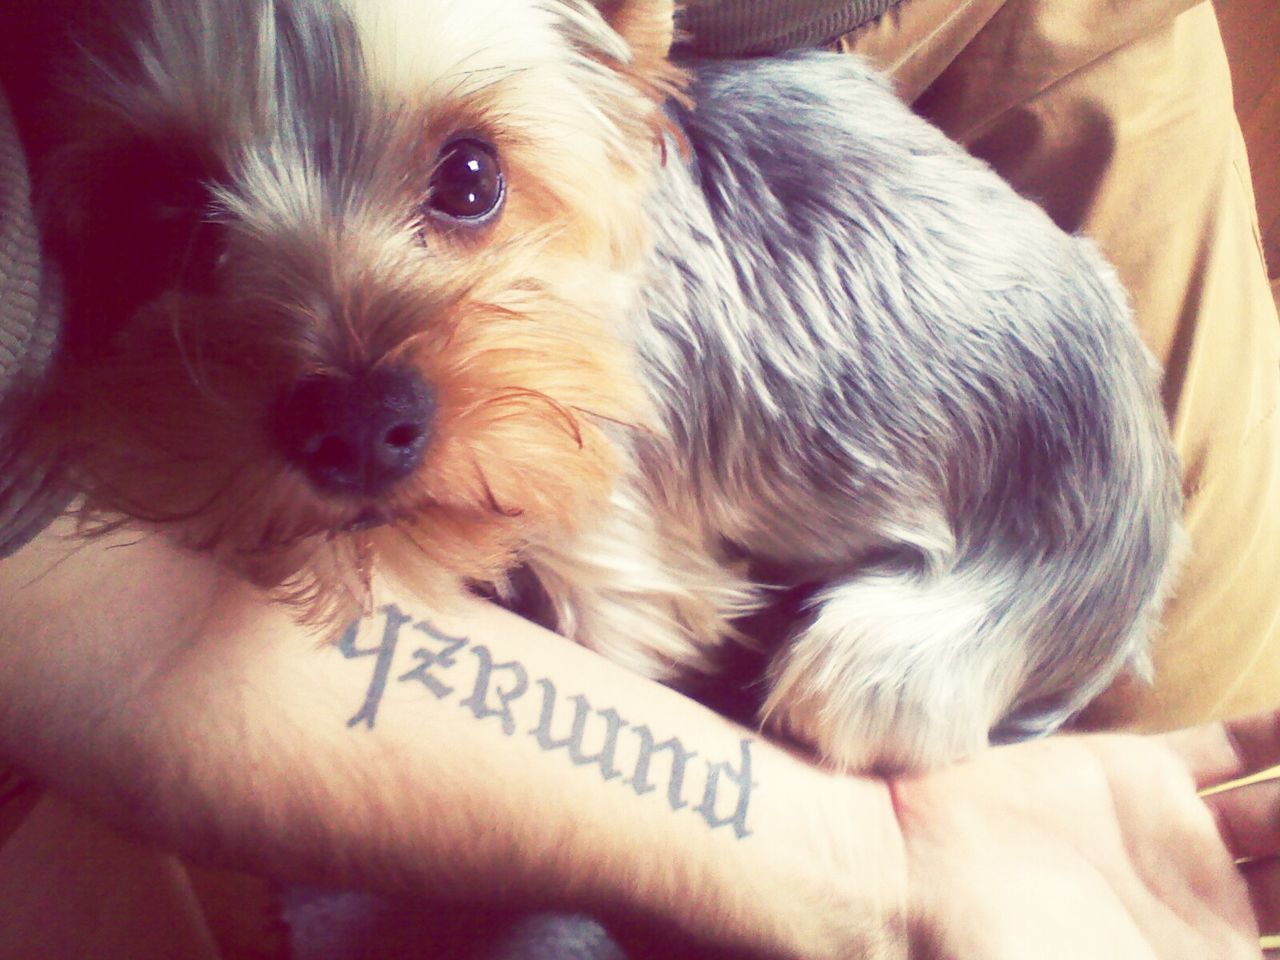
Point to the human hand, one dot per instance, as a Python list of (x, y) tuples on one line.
[(1097, 846)]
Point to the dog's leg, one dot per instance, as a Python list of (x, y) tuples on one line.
[(890, 674), (899, 669)]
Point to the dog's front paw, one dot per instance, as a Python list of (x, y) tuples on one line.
[(890, 686)]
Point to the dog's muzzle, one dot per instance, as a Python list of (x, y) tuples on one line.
[(355, 435)]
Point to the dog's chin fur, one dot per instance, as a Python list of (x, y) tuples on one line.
[(793, 328), (518, 447)]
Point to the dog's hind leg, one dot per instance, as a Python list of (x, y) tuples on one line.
[(900, 668), (896, 670)]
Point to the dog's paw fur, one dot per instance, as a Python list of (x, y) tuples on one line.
[(888, 675)]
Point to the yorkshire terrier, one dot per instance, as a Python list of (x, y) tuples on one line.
[(441, 290)]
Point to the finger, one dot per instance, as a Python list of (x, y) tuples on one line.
[(1218, 752), (1263, 879), (1249, 818)]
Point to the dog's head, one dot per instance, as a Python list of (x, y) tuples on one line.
[(347, 279)]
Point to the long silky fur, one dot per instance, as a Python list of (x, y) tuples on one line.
[(317, 124), (740, 326), (883, 372)]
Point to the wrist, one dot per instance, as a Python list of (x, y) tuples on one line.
[(822, 874)]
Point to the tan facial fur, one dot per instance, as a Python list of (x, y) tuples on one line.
[(328, 264)]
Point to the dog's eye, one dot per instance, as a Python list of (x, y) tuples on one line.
[(186, 222), (180, 198), (147, 224), (203, 254), (467, 185)]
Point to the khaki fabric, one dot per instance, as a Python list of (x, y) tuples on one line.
[(1118, 118), (736, 28)]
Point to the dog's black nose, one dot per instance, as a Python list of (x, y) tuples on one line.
[(358, 434)]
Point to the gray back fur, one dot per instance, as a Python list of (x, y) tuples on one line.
[(872, 355)]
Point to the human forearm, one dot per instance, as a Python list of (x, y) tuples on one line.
[(437, 752)]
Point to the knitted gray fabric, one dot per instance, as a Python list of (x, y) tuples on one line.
[(731, 28), (28, 337)]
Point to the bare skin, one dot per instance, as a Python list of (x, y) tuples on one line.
[(1098, 846), (441, 751)]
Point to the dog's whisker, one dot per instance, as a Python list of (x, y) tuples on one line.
[(461, 75), (564, 414), (406, 533), (491, 499), (102, 491), (189, 362), (629, 425)]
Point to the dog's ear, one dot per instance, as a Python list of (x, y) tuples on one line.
[(646, 25)]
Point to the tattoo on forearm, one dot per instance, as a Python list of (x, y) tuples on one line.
[(384, 652), (503, 692)]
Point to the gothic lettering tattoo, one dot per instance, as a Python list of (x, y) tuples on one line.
[(422, 672), (600, 740), (573, 743), (479, 701), (384, 653), (679, 758)]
